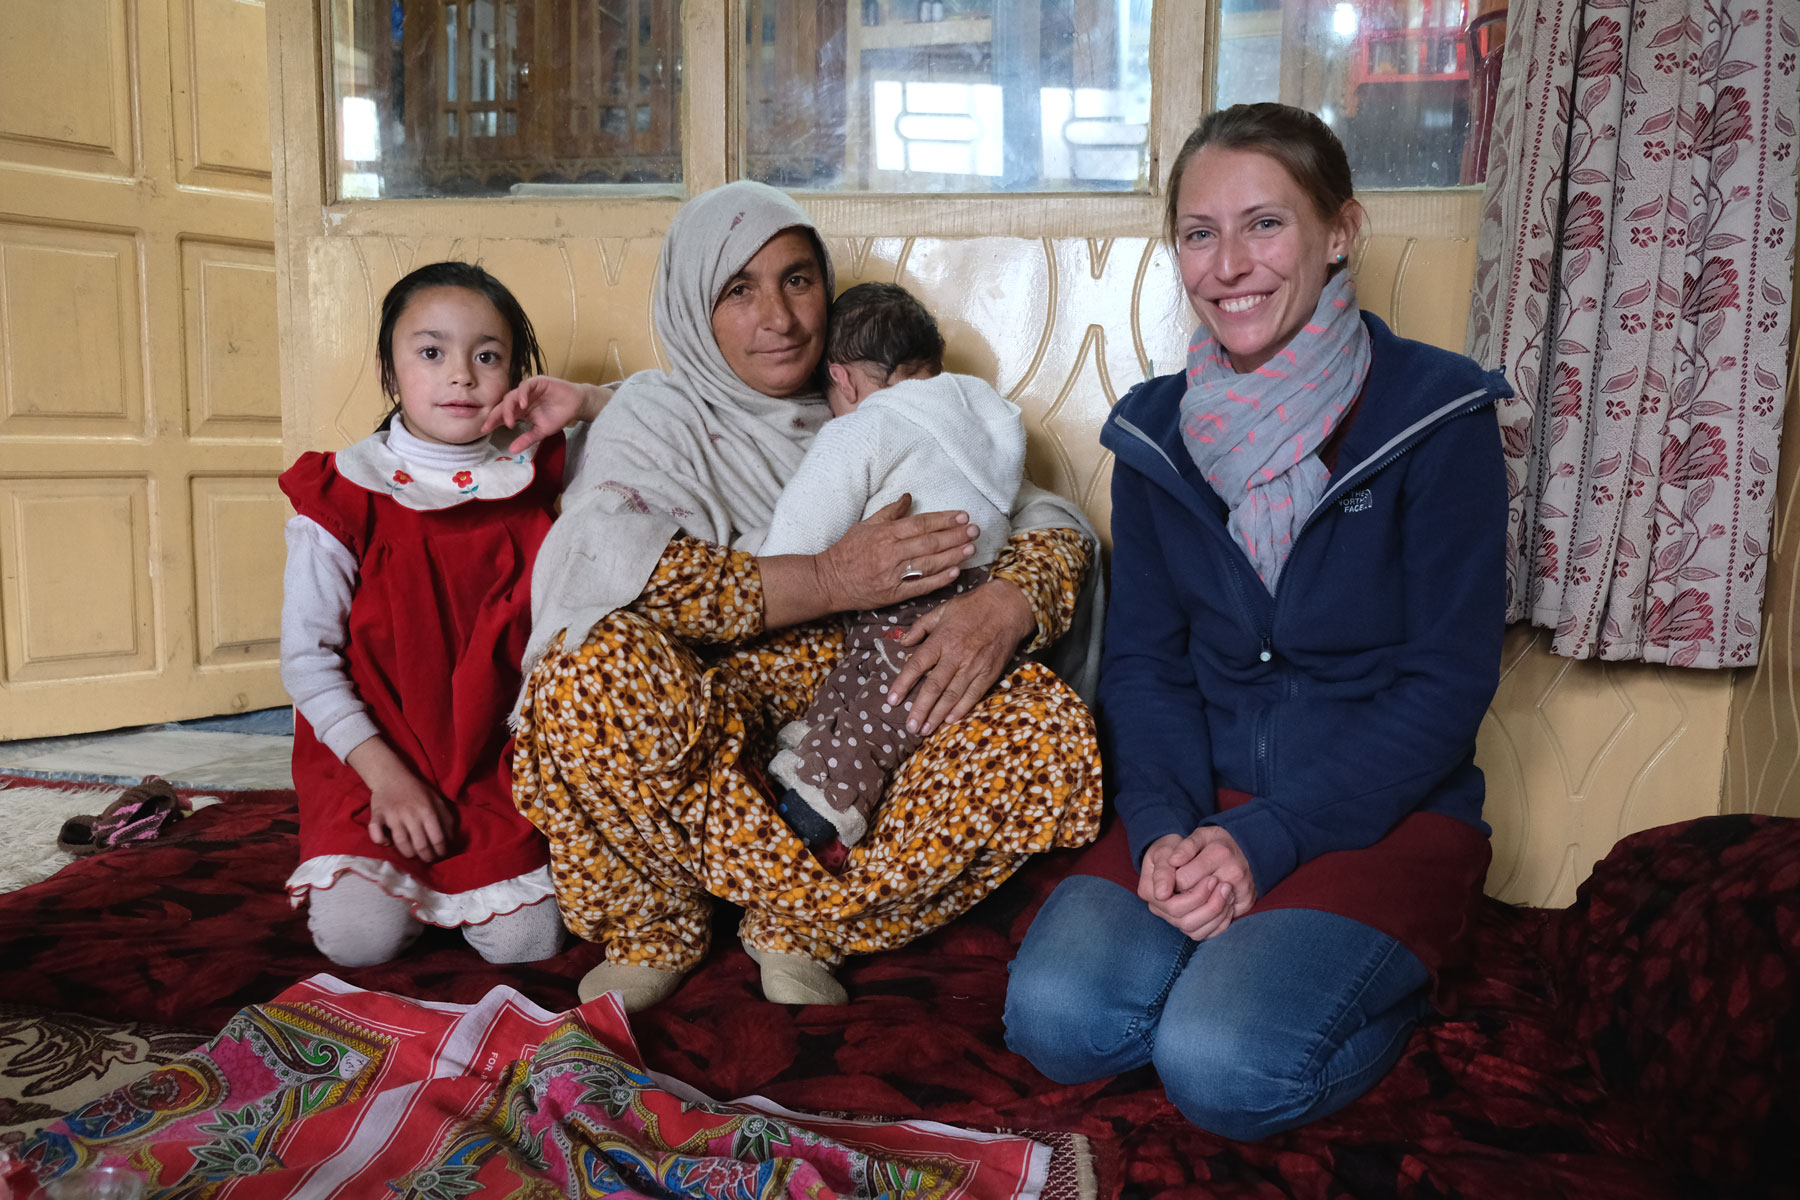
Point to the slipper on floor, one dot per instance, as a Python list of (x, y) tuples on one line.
[(77, 837), (138, 815)]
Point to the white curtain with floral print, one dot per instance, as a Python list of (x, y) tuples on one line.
[(1635, 260)]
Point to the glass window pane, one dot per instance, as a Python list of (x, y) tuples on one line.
[(948, 95), (1406, 84), (479, 97)]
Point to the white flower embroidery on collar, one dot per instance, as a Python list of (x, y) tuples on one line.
[(428, 477)]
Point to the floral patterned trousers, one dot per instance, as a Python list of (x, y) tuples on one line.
[(641, 760)]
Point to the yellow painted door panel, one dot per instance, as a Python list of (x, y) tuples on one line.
[(140, 410)]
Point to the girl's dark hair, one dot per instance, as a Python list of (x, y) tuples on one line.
[(882, 323), (1293, 137), (527, 357)]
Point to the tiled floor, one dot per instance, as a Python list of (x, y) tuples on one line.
[(250, 750)]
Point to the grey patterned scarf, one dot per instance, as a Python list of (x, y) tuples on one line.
[(1256, 436)]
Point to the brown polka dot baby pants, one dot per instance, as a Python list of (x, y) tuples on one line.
[(838, 757)]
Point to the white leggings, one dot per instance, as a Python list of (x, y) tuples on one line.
[(356, 924)]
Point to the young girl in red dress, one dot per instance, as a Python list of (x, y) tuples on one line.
[(407, 604)]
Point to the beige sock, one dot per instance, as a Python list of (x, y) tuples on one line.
[(796, 979), (639, 986)]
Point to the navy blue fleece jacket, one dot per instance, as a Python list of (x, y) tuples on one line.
[(1351, 698)]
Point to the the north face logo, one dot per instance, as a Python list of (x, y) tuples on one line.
[(1358, 501)]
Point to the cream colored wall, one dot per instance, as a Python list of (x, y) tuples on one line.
[(1580, 753), (1064, 304)]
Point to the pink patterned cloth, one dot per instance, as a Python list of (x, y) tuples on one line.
[(331, 1091), (1255, 436)]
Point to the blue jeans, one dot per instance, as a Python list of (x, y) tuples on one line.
[(1286, 1016)]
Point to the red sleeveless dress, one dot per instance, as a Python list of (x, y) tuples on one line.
[(437, 627)]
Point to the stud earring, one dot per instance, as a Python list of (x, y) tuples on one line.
[(1339, 260)]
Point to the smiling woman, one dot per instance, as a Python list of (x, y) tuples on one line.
[(1312, 522), (1255, 248)]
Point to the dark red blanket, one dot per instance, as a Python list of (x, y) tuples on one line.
[(1643, 1043)]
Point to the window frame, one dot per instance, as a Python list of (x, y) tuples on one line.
[(713, 108)]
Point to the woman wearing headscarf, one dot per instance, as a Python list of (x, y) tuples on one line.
[(664, 653)]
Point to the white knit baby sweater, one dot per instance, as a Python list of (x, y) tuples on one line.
[(952, 441)]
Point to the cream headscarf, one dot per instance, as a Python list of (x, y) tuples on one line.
[(695, 449)]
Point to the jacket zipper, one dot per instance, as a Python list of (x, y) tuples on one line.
[(1265, 632), (1396, 447)]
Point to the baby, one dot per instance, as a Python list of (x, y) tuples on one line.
[(901, 426)]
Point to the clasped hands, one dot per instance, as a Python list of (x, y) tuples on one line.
[(1200, 883)]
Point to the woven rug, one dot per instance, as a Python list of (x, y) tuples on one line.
[(1496, 1096), (33, 814)]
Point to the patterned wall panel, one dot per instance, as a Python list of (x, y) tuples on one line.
[(71, 354), (1577, 753), (238, 559), (76, 593), (1580, 753), (233, 346), (1063, 326), (1428, 311), (85, 123)]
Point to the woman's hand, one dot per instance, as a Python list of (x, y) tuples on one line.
[(1156, 878), (890, 557), (402, 810), (545, 404), (959, 651), (1199, 884), (880, 560)]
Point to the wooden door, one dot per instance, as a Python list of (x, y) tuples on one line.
[(140, 412)]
